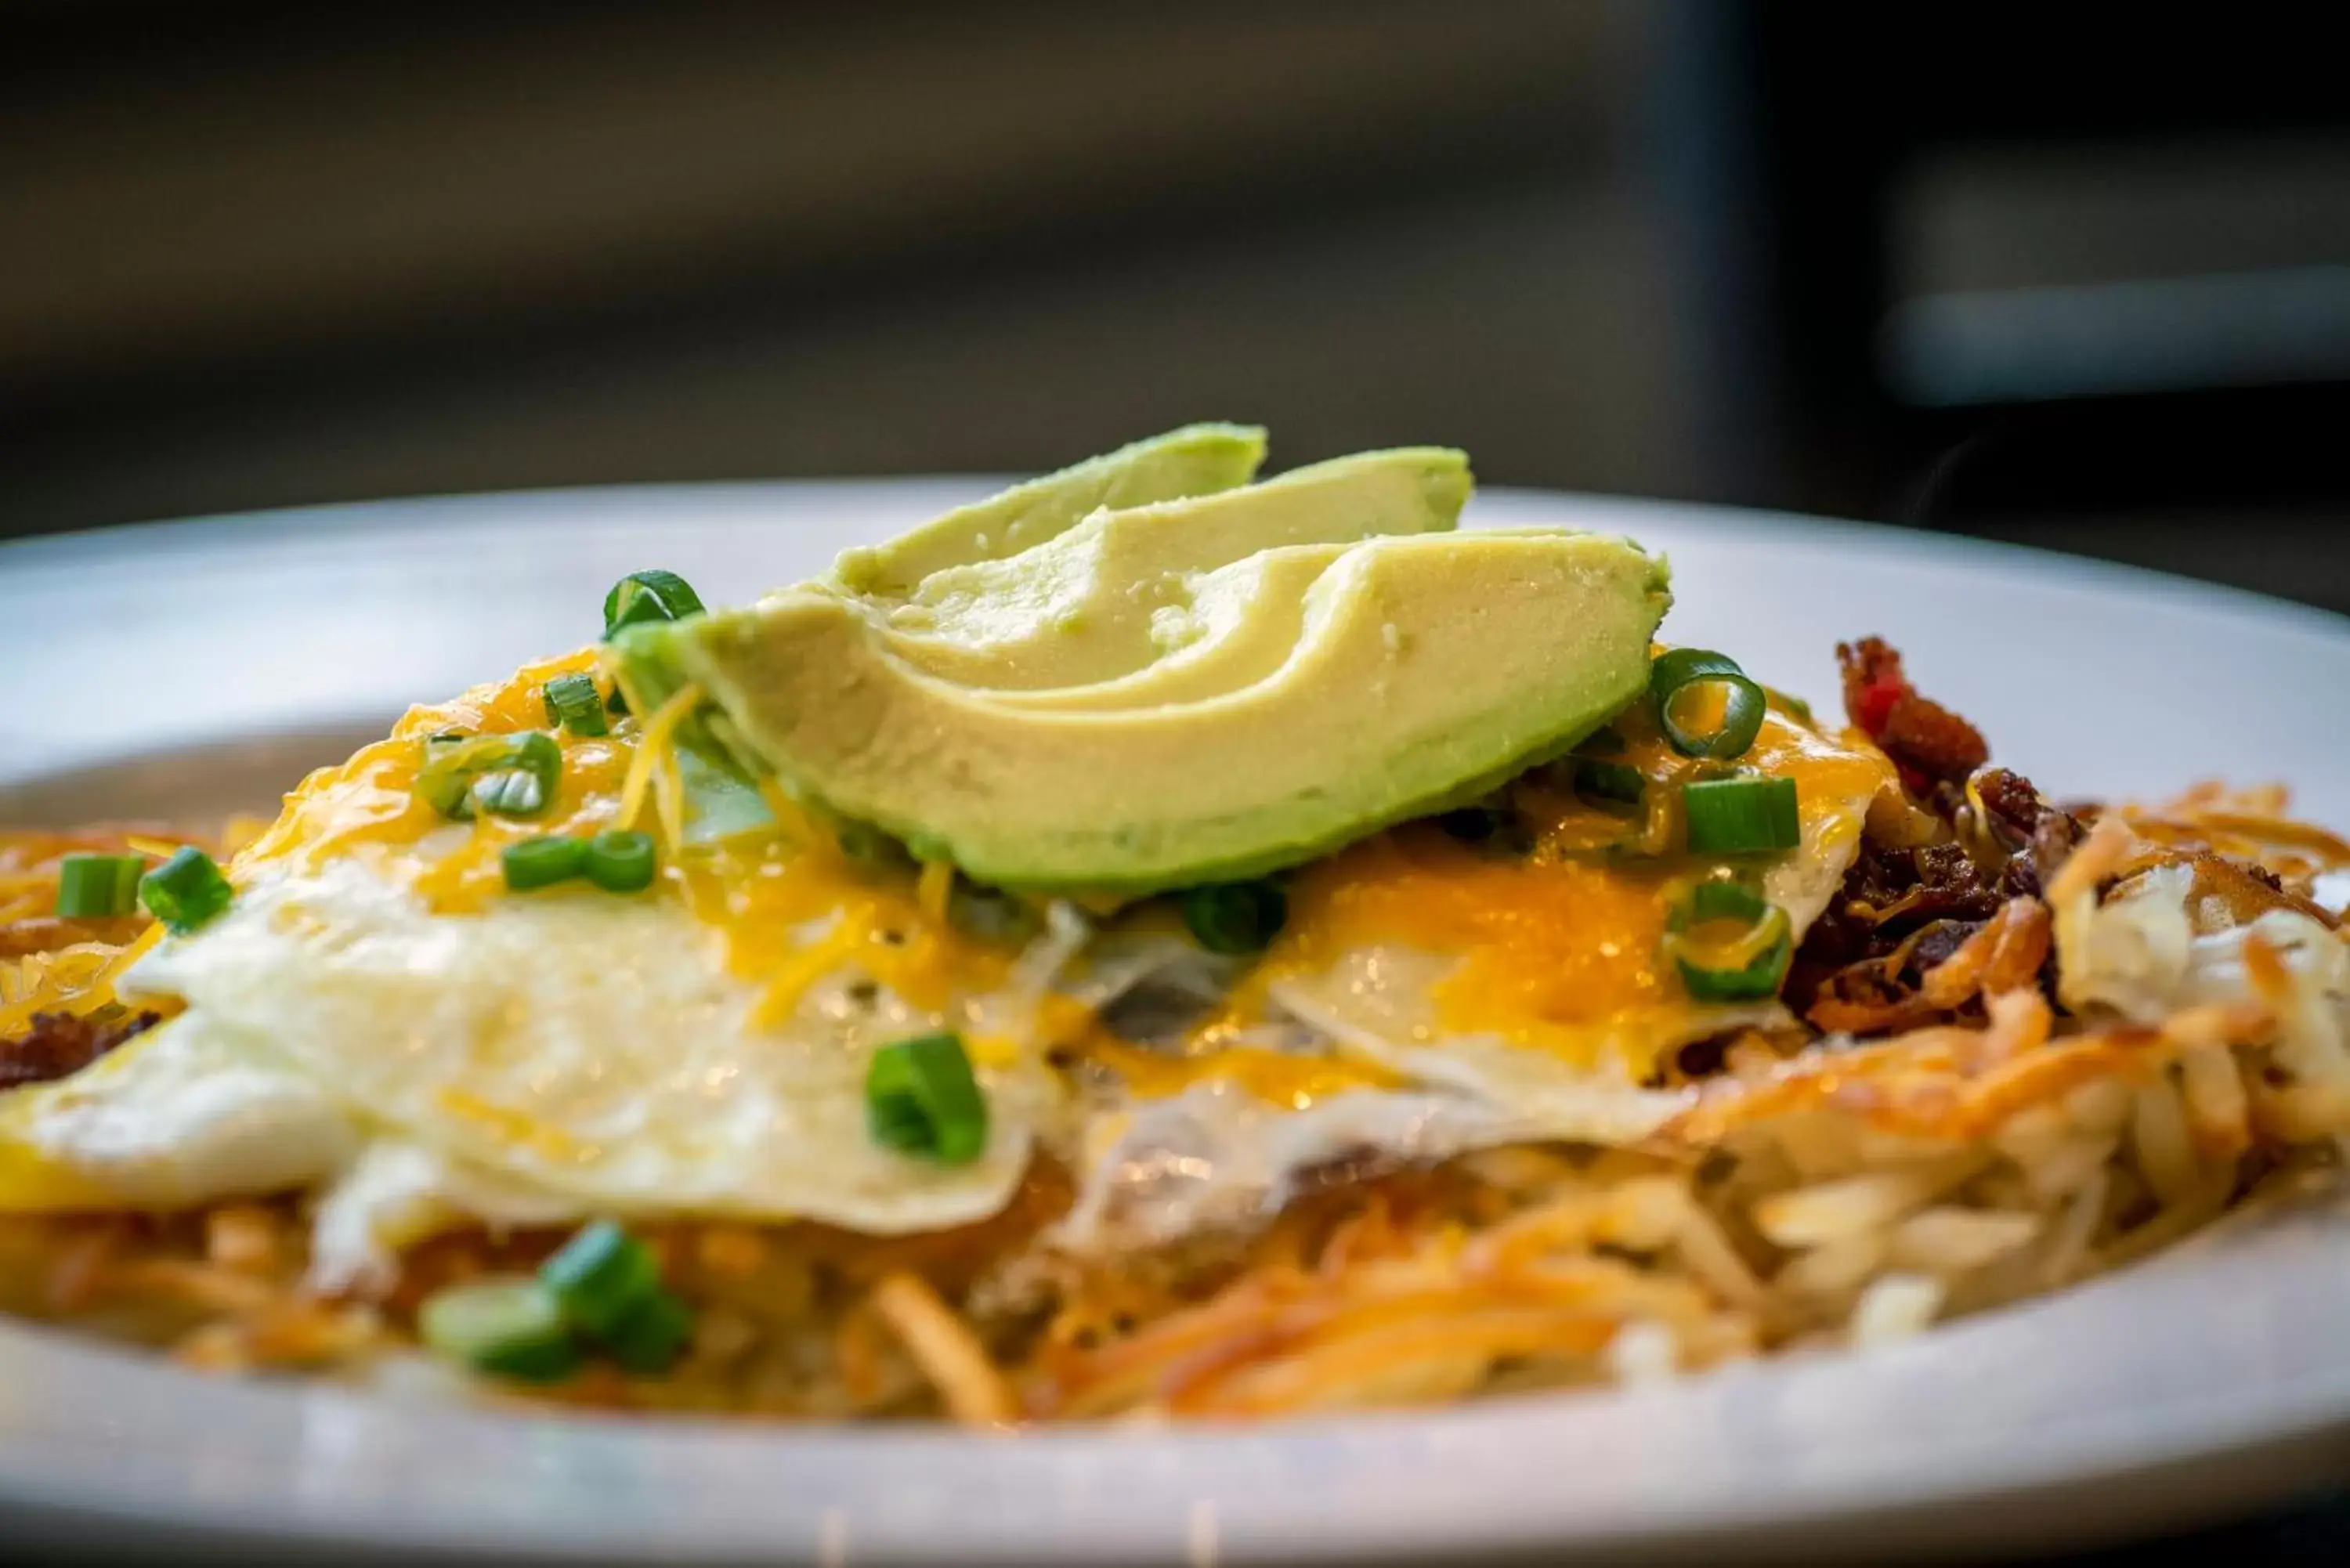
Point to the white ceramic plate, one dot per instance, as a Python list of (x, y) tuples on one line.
[(2215, 1378)]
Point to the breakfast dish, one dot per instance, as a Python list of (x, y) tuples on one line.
[(1153, 943)]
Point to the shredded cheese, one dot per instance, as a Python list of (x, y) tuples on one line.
[(652, 745), (933, 890)]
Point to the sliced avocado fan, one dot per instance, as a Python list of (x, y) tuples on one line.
[(1084, 608), (1196, 460), (1427, 672)]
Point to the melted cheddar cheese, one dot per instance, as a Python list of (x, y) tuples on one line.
[(1557, 950), (1560, 950), (790, 907)]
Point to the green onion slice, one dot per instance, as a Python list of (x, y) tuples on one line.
[(600, 1277), (542, 862), (509, 1328), (1745, 967), (922, 1099), (650, 1339), (648, 595), (1681, 673), (621, 861), (98, 887), (1747, 815), (1235, 917), (185, 892), (573, 703), (506, 776)]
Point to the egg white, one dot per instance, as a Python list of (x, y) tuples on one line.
[(559, 1055)]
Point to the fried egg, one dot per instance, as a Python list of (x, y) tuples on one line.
[(370, 1020), (1457, 998)]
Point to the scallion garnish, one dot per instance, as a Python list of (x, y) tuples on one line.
[(1745, 967), (648, 595), (1679, 677), (510, 1328), (921, 1098), (98, 887), (186, 890), (621, 862), (574, 703), (601, 1276), (542, 862), (1747, 815), (650, 1339), (1235, 917), (506, 776)]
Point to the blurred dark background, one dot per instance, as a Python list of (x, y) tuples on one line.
[(2067, 275)]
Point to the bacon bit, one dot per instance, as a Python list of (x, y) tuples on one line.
[(59, 1045), (1927, 742)]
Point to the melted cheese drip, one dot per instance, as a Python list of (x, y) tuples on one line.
[(1555, 951), (1559, 950), (790, 907)]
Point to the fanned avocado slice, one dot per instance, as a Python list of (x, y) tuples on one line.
[(1198, 460), (1427, 672), (1088, 606)]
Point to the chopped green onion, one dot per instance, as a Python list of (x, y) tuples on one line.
[(621, 862), (1235, 917), (600, 1277), (510, 792), (921, 1098), (1613, 782), (509, 1328), (1681, 671), (650, 1338), (186, 890), (542, 862), (574, 703), (98, 887), (1753, 980), (506, 776), (1740, 815), (648, 595)]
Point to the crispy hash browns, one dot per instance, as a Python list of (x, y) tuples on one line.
[(2042, 1043)]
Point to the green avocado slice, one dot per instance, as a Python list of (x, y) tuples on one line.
[(1429, 670), (1089, 605), (1240, 623), (1196, 460)]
